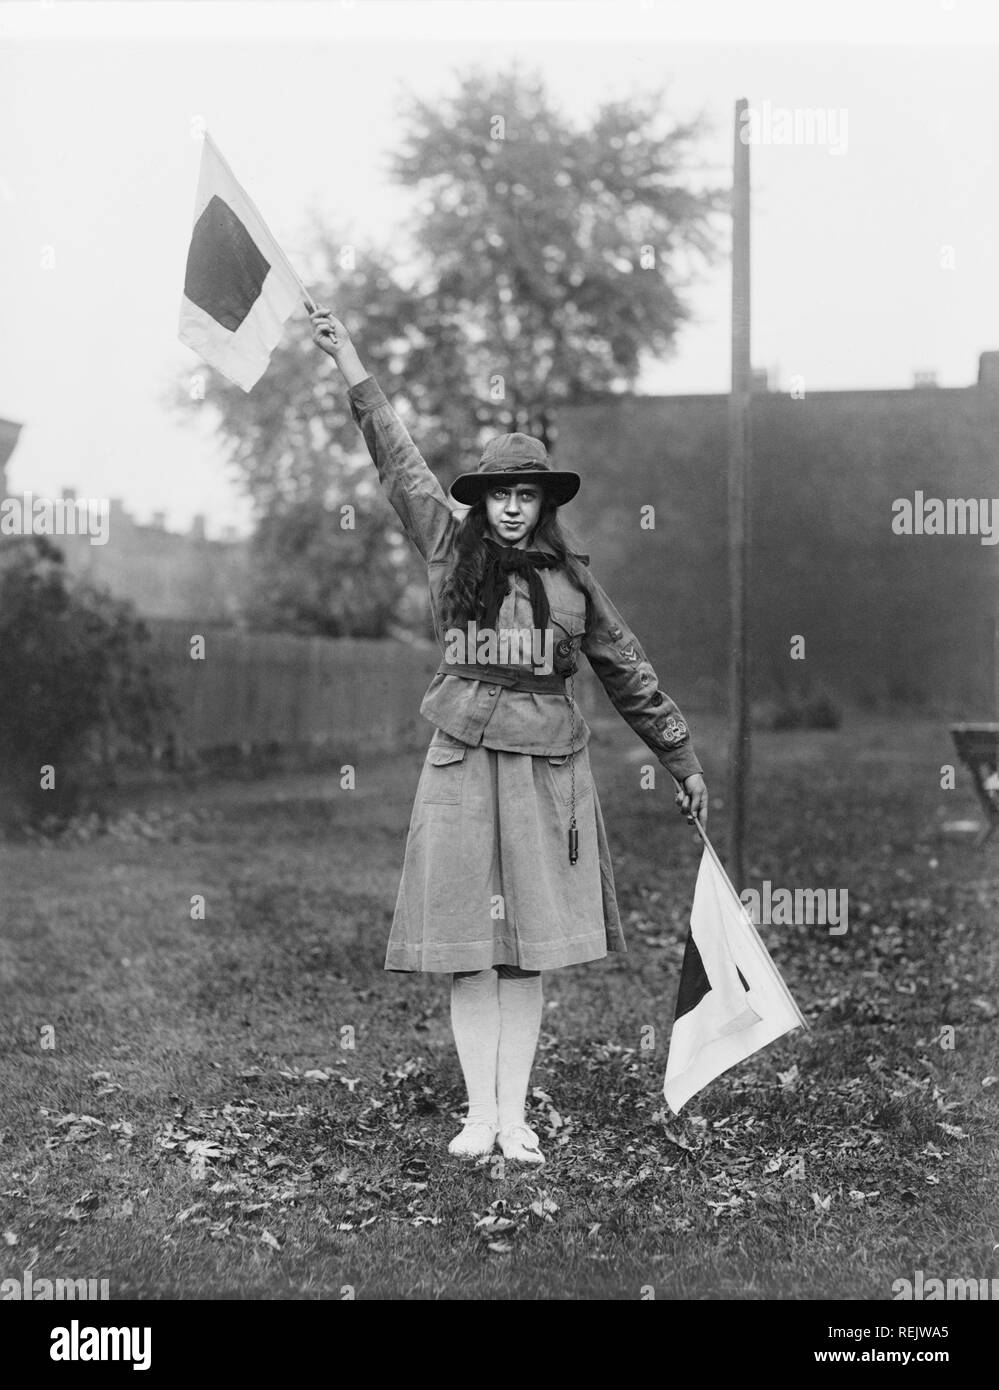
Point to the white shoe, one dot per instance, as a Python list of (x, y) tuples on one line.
[(477, 1138), (520, 1143)]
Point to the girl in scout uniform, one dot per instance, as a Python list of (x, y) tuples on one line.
[(507, 871)]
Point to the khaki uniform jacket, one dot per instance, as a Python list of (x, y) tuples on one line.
[(518, 721)]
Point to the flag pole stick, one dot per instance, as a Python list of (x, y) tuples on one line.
[(744, 910), (310, 303)]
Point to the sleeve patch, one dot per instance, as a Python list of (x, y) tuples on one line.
[(673, 730)]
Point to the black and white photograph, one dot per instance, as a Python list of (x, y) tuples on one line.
[(499, 670)]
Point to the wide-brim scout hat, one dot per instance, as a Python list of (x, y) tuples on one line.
[(510, 459)]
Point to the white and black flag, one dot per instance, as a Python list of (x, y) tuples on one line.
[(239, 289)]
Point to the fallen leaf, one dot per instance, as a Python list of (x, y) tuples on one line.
[(494, 1224), (188, 1212), (83, 1207), (203, 1148)]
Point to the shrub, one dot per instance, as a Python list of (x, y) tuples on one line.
[(797, 710), (76, 689)]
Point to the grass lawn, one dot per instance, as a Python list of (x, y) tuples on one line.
[(181, 1111)]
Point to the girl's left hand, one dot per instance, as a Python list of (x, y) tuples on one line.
[(692, 802)]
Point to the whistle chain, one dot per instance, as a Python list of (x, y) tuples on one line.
[(573, 832)]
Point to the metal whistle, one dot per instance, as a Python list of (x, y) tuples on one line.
[(573, 844)]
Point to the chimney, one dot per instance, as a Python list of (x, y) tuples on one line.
[(760, 380), (69, 494), (921, 379), (198, 526), (988, 371), (159, 521), (229, 533)]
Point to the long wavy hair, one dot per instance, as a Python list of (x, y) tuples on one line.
[(459, 601)]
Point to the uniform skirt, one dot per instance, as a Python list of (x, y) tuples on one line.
[(486, 878)]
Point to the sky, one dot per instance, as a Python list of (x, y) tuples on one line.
[(875, 254)]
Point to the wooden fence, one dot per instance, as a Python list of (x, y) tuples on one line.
[(266, 693)]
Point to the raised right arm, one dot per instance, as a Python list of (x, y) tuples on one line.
[(408, 482)]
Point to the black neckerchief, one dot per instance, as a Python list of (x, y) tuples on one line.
[(503, 560)]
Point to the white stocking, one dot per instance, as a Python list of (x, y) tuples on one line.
[(520, 1023), (475, 1019)]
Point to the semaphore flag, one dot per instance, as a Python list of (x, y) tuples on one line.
[(239, 289), (732, 1000)]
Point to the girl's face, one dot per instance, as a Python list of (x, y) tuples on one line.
[(512, 512)]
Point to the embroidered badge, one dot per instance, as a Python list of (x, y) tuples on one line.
[(673, 730)]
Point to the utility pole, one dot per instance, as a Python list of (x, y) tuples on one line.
[(738, 501)]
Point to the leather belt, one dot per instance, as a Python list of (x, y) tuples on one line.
[(513, 677)]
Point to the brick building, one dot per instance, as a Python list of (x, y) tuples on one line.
[(886, 618), (166, 574)]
